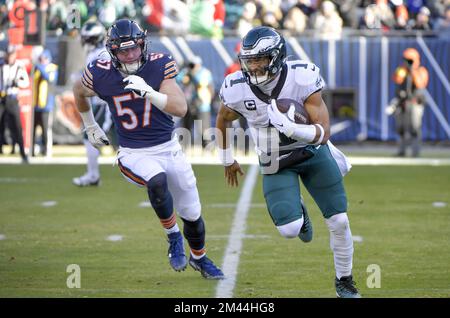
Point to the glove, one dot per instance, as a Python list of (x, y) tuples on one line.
[(96, 136), (279, 120), (139, 86)]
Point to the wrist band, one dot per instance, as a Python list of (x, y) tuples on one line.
[(158, 99), (88, 118), (322, 134), (226, 156)]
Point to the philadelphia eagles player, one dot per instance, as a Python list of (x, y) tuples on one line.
[(93, 35), (288, 150)]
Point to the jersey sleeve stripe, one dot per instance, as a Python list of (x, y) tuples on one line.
[(89, 74), (86, 83), (167, 71), (171, 75), (87, 79), (170, 64)]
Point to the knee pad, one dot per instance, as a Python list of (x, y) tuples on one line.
[(158, 190), (291, 229), (194, 232), (194, 228), (338, 222)]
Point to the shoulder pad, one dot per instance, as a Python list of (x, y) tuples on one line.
[(232, 90), (305, 73)]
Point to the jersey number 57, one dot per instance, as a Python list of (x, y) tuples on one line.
[(133, 121)]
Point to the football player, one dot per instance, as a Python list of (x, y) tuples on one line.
[(288, 150), (93, 35), (142, 95)]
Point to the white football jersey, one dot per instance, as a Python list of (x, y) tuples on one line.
[(97, 53), (301, 80)]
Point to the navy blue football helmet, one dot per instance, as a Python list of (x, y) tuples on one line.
[(262, 43), (126, 34)]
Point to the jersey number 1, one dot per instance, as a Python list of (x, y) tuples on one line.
[(133, 122)]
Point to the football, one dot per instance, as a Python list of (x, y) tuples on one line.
[(297, 114)]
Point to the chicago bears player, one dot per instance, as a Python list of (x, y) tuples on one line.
[(288, 150), (142, 95), (93, 35)]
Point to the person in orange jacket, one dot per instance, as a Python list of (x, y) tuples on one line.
[(411, 80)]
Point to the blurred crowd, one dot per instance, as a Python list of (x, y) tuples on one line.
[(218, 18)]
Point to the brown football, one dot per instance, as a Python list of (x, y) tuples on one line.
[(299, 115)]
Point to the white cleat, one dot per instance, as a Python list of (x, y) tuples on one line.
[(86, 181)]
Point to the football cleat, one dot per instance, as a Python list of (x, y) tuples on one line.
[(306, 232), (345, 287), (177, 257), (206, 267), (86, 181)]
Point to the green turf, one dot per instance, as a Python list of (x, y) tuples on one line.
[(390, 207)]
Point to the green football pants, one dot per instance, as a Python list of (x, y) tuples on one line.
[(321, 177)]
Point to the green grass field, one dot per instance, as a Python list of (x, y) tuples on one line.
[(389, 207)]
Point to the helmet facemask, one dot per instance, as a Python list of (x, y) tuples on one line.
[(262, 55), (259, 69), (130, 68), (126, 34)]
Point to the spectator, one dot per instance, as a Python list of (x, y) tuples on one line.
[(45, 75), (414, 7), (347, 11), (378, 16), (411, 80), (207, 18), (270, 13), (248, 19), (401, 17), (385, 15), (443, 24), (107, 13), (295, 21), (125, 9), (422, 21), (233, 13), (172, 16), (327, 21), (198, 86), (57, 15), (12, 77)]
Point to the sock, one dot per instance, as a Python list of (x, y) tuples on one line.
[(92, 160), (194, 232), (170, 225), (341, 244)]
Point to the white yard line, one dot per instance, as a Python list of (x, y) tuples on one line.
[(233, 251), (210, 159)]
